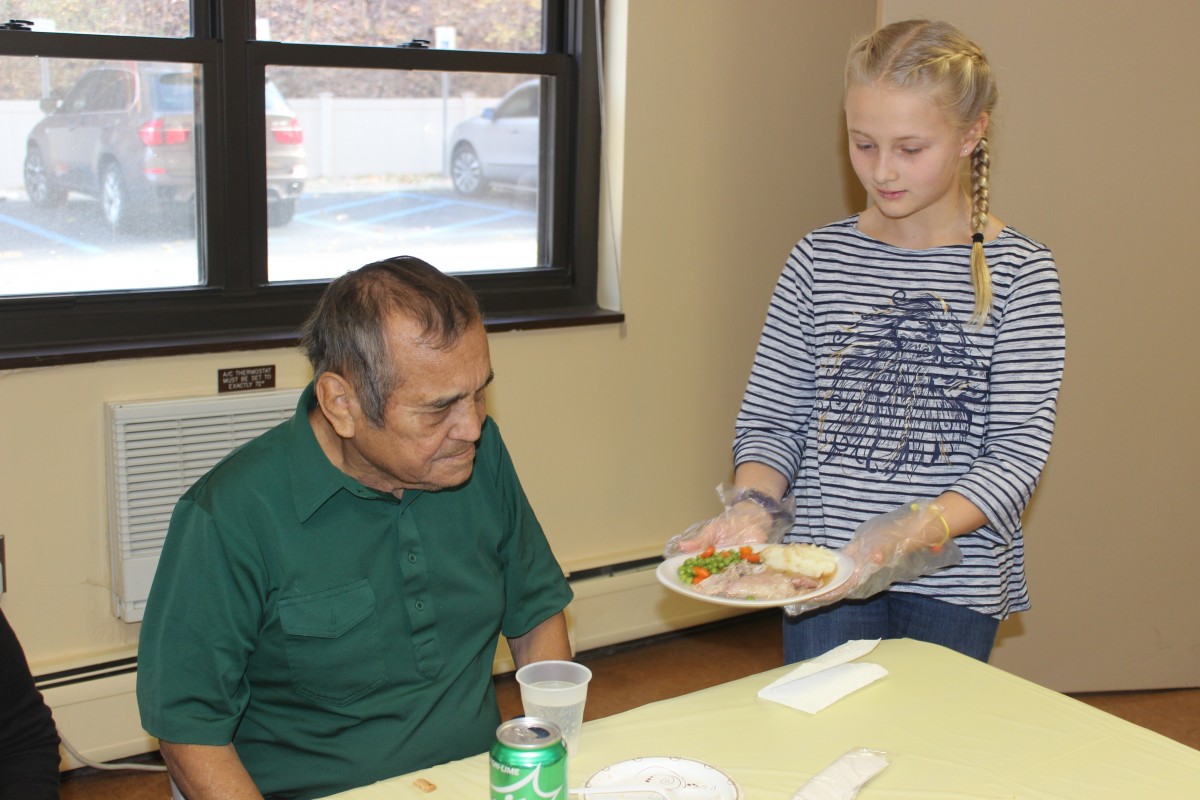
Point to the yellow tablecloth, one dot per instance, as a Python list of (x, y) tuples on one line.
[(954, 729)]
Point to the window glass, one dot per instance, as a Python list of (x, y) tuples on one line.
[(497, 25), (98, 171), (170, 18), (169, 179), (364, 165)]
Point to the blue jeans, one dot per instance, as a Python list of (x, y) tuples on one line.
[(889, 615)]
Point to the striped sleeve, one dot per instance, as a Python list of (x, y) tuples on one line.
[(770, 426), (1026, 371)]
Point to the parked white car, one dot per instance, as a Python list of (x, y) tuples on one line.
[(501, 146)]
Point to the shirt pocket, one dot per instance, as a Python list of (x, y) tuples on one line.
[(332, 643)]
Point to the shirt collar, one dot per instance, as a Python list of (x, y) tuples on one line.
[(314, 478)]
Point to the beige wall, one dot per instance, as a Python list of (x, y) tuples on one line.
[(724, 141), (1094, 157)]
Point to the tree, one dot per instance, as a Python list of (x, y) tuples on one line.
[(498, 25)]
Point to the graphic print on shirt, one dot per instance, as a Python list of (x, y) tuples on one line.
[(904, 384)]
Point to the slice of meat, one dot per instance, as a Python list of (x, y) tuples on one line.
[(745, 581)]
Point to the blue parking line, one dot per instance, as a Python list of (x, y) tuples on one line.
[(364, 201), (480, 221), (44, 233), (341, 226), (441, 230), (408, 211), (319, 217)]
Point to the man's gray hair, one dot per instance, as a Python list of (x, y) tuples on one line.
[(345, 334)]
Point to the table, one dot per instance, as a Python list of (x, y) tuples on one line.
[(954, 729)]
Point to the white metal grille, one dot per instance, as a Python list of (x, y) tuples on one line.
[(157, 450)]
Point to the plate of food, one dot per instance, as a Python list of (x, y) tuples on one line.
[(757, 575), (677, 778)]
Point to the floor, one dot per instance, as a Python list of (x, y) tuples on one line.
[(631, 675)]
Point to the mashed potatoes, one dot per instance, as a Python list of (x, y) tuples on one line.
[(810, 560)]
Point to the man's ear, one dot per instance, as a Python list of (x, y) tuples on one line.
[(338, 403)]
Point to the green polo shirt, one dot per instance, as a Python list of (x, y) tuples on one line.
[(334, 634)]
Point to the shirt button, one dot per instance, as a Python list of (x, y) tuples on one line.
[(420, 606), (412, 558)]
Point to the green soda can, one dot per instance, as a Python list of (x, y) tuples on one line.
[(528, 761)]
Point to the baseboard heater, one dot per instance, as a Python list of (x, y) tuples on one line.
[(623, 602), (95, 708)]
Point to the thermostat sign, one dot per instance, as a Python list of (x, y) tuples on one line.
[(244, 379)]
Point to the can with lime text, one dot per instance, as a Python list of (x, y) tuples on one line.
[(528, 761)]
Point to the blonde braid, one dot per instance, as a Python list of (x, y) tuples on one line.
[(981, 279)]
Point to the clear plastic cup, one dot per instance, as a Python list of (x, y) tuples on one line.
[(556, 691)]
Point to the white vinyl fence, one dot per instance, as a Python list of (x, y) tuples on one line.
[(17, 118)]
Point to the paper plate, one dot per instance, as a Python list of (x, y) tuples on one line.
[(668, 575), (682, 777)]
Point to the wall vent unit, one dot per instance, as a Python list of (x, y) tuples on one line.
[(156, 451)]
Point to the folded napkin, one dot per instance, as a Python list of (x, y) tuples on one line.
[(842, 779), (822, 681)]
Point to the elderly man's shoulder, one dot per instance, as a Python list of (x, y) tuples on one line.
[(492, 451), (262, 461)]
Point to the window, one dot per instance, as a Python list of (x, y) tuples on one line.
[(168, 192)]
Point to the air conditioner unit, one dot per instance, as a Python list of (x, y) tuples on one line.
[(156, 451)]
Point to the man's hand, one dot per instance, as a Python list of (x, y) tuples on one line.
[(206, 772)]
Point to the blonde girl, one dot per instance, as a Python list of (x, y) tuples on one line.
[(904, 390), (932, 70)]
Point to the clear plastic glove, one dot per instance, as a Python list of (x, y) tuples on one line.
[(750, 517), (899, 546)]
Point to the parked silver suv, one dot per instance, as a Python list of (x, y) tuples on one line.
[(125, 134)]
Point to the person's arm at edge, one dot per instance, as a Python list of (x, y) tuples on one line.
[(768, 480), (961, 515), (952, 515), (208, 772), (546, 642)]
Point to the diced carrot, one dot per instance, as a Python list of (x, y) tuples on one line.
[(699, 574), (708, 552)]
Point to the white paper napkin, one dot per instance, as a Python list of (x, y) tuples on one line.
[(842, 779), (822, 681)]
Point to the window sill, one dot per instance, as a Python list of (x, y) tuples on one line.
[(551, 318), (262, 340)]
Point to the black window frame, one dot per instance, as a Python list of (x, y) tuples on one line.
[(234, 308)]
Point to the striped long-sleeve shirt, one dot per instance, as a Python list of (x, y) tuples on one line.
[(871, 389)]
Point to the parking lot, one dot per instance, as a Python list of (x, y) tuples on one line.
[(336, 228)]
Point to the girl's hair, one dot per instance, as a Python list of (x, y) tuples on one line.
[(938, 59)]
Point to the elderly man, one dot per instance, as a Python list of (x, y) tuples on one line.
[(327, 606)]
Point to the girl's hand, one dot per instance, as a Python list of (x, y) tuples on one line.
[(887, 539), (896, 547), (749, 518)]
